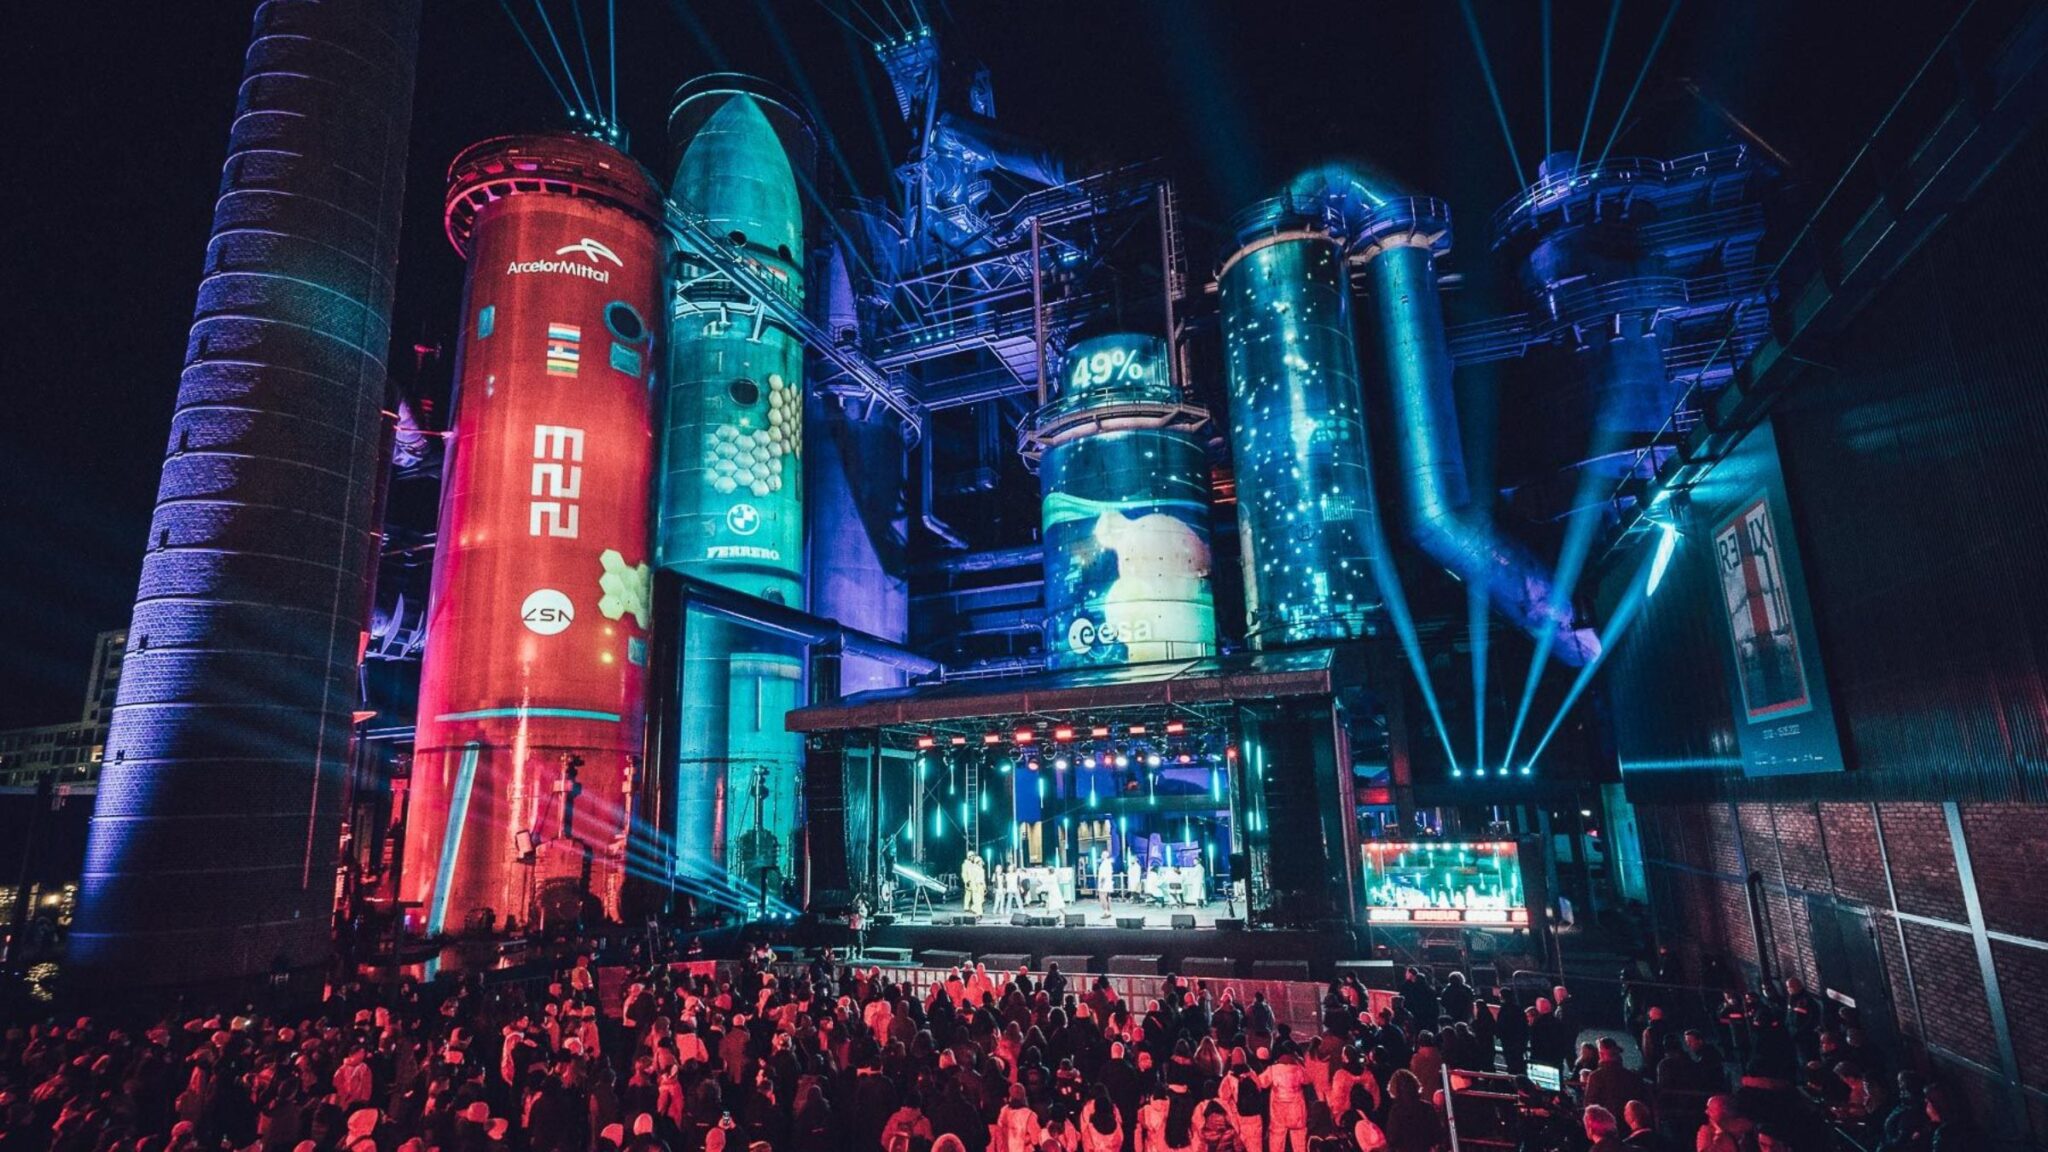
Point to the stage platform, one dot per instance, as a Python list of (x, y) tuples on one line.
[(1088, 913), (1268, 953)]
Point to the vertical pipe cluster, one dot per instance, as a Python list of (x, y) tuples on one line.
[(533, 687), (1397, 244), (213, 841), (730, 509), (1297, 433)]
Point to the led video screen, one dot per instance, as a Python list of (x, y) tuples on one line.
[(1444, 882)]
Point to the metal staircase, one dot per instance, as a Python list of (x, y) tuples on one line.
[(784, 303)]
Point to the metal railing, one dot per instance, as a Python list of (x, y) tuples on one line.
[(1296, 1004), (1559, 186)]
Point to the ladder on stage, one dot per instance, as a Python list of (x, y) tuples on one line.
[(971, 826)]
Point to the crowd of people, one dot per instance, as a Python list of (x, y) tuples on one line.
[(835, 1058)]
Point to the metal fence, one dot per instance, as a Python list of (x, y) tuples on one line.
[(1296, 1003)]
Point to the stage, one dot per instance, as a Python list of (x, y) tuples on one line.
[(1149, 916), (1224, 952), (1135, 937)]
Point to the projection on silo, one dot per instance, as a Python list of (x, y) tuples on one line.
[(730, 509), (532, 689), (1126, 513), (1297, 436)]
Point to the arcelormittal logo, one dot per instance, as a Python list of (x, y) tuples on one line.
[(591, 251)]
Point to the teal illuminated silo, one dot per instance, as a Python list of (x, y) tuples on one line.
[(1126, 514), (1297, 433), (730, 506)]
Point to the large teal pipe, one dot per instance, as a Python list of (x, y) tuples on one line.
[(1396, 238)]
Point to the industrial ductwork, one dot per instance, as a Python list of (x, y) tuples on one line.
[(1396, 237)]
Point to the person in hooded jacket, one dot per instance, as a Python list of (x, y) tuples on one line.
[(1102, 1127), (1016, 1127)]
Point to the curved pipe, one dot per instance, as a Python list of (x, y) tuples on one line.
[(932, 523), (1396, 237)]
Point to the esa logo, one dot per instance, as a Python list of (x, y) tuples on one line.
[(1084, 633), (743, 519), (547, 612)]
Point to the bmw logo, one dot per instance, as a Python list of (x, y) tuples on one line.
[(743, 519)]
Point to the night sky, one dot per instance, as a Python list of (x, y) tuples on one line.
[(121, 116)]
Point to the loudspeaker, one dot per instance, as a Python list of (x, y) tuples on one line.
[(966, 919), (1183, 920), (1045, 921), (1130, 921), (884, 919), (1077, 919), (1224, 924), (1020, 919)]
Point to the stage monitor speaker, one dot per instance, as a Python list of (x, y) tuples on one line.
[(1077, 919), (1183, 920), (1226, 924), (1130, 922), (884, 919), (1020, 919), (1045, 921), (964, 919)]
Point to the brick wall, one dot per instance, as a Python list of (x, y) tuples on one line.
[(1897, 862)]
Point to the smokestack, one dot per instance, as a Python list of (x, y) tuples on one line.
[(213, 844)]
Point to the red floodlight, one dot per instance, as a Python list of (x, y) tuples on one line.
[(1063, 733), (1100, 732), (1137, 729), (992, 738), (925, 742), (1026, 735), (1175, 727)]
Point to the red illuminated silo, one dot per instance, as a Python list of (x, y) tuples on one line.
[(537, 630)]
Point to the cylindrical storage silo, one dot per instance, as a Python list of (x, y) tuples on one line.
[(1297, 432), (1126, 513), (730, 508), (532, 689)]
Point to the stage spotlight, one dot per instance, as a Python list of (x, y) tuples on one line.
[(1088, 762), (1025, 735), (958, 741), (1003, 765), (1175, 727), (1100, 732), (1123, 761), (1184, 758), (992, 738), (925, 742), (1061, 764), (1063, 733), (1153, 760), (1137, 729)]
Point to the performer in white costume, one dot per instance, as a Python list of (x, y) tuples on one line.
[(974, 883)]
